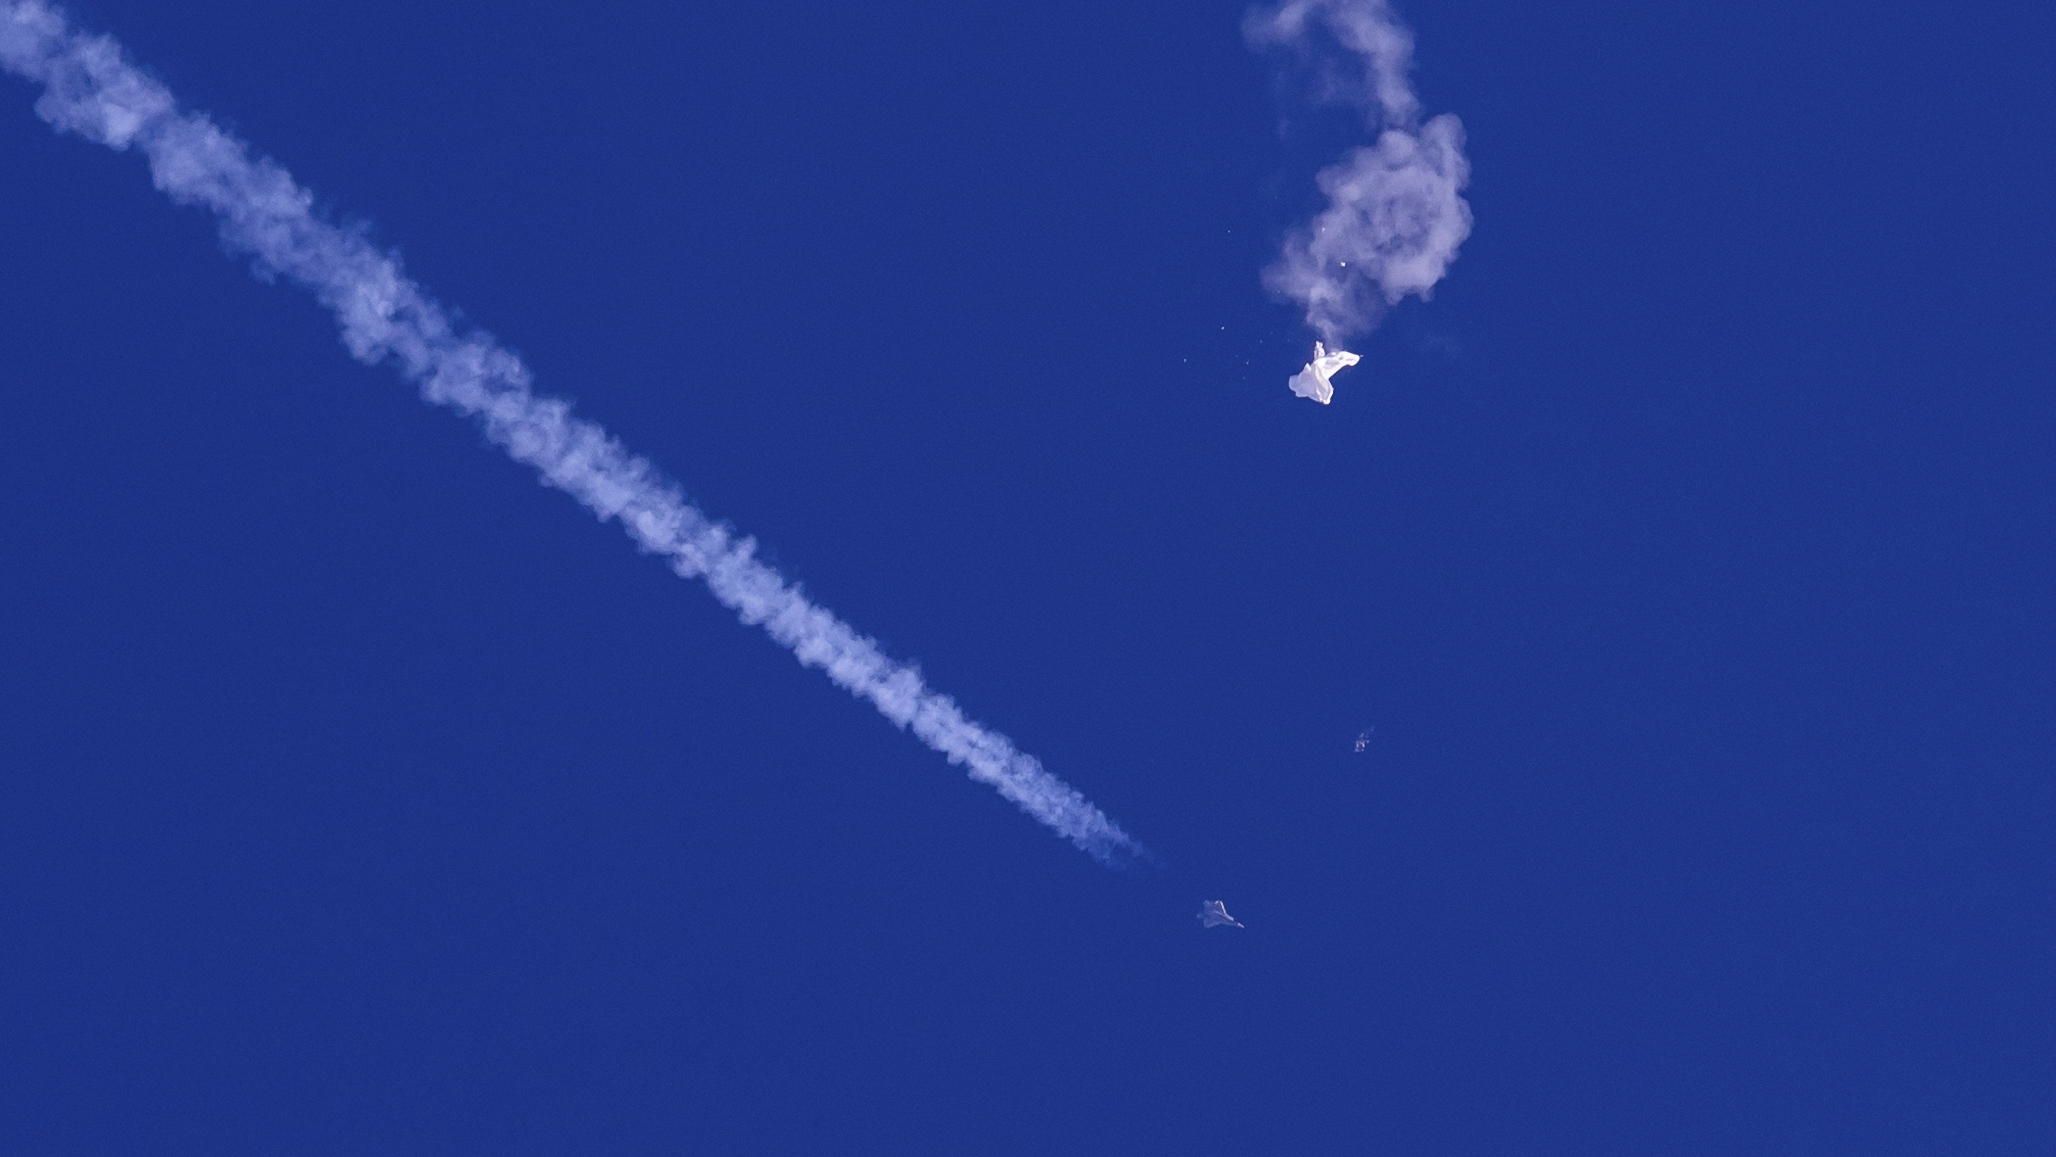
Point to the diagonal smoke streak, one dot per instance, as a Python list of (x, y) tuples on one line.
[(1394, 217), (92, 90)]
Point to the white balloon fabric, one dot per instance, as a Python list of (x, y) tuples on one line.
[(1312, 382)]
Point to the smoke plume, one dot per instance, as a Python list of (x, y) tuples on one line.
[(1394, 217)]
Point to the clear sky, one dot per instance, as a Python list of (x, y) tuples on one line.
[(1686, 557)]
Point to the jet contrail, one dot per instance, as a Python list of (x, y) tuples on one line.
[(91, 89), (1394, 217)]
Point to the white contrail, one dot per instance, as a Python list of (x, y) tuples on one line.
[(1394, 217), (91, 89)]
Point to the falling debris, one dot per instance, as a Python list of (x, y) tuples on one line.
[(1312, 382), (1214, 913)]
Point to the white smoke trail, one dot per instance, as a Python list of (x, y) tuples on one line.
[(1394, 217), (92, 90)]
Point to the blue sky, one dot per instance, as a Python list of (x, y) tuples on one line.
[(1688, 554)]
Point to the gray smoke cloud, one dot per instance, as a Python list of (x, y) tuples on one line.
[(92, 90), (1394, 217)]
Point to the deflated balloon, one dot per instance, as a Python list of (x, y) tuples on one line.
[(1312, 382)]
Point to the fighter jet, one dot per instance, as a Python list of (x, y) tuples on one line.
[(1214, 913), (1312, 382)]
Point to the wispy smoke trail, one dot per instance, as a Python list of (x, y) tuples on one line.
[(92, 90), (1394, 216)]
